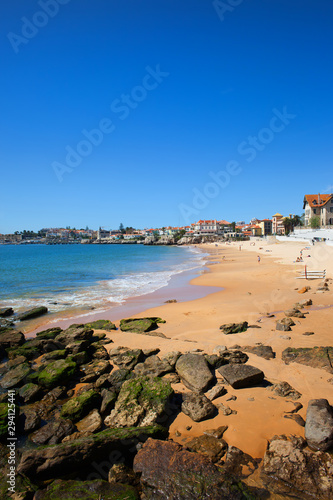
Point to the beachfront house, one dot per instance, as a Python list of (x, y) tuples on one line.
[(266, 226), (277, 224), (207, 227), (318, 205)]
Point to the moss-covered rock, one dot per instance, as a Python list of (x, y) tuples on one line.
[(140, 325), (141, 401), (51, 461), (79, 406), (54, 355), (30, 392), (87, 490), (57, 373), (10, 338), (3, 419), (16, 377), (101, 324), (50, 333), (317, 357), (32, 313)]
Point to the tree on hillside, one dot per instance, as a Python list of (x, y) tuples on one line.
[(121, 228), (233, 227)]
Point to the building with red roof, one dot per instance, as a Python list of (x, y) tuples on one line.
[(318, 205)]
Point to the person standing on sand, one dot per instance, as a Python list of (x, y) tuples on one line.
[(258, 259)]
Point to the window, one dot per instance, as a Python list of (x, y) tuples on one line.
[(314, 210), (331, 210)]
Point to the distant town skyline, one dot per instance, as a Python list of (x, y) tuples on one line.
[(162, 112)]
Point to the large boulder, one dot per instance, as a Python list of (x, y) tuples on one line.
[(124, 357), (239, 376), (291, 469), (284, 390), (101, 324), (11, 339), (198, 407), (319, 425), (141, 402), (52, 432), (231, 328), (92, 371), (6, 311), (194, 372), (211, 446), (264, 351), (285, 324), (152, 366), (317, 357), (35, 312), (50, 333), (168, 471), (56, 373), (48, 462), (86, 490), (78, 406)]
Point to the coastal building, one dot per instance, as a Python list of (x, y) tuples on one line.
[(266, 226), (277, 224), (318, 205), (207, 227)]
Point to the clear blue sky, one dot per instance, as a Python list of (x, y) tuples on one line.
[(222, 81)]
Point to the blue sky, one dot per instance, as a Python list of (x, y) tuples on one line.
[(203, 111)]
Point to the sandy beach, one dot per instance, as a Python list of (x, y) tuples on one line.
[(251, 290)]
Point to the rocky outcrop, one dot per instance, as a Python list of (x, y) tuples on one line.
[(11, 339), (66, 458), (194, 372), (77, 407), (141, 402), (290, 468), (284, 390), (317, 357), (231, 328), (285, 324), (91, 423), (264, 351), (210, 446), (170, 472), (198, 407), (153, 366), (79, 490), (319, 425), (16, 376), (57, 373), (53, 432), (101, 324), (127, 358), (140, 325), (32, 313), (6, 311), (239, 376)]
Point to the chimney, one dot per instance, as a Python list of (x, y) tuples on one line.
[(318, 198)]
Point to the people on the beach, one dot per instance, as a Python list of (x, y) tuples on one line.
[(258, 259)]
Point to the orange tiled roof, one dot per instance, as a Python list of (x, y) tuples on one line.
[(317, 200)]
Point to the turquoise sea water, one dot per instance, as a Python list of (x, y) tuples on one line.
[(80, 276)]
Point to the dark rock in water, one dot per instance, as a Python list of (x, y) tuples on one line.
[(239, 376), (86, 490), (66, 458), (264, 351), (94, 370), (6, 311), (238, 463), (285, 324), (152, 366), (141, 402), (79, 406), (210, 446), (317, 357), (319, 425), (198, 407), (284, 390), (53, 432), (168, 471), (56, 373), (101, 324), (118, 377), (298, 419), (140, 325), (11, 339), (231, 328), (194, 372), (125, 357), (35, 312), (16, 376), (290, 468), (170, 301), (30, 392)]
